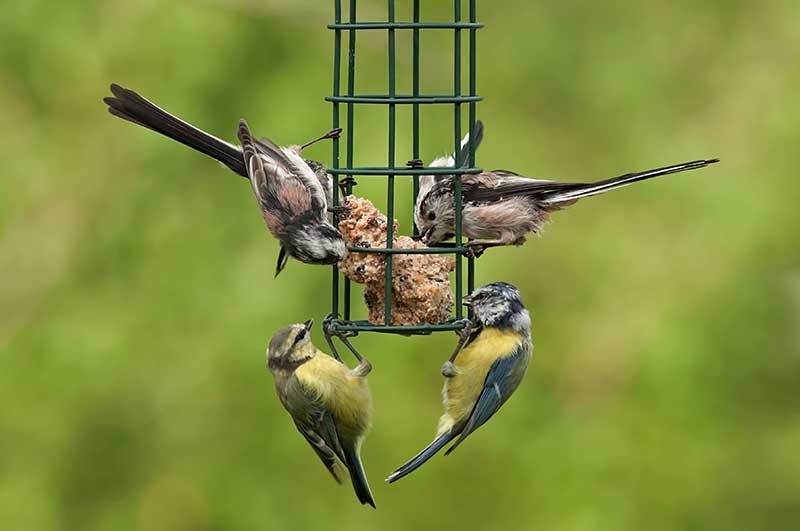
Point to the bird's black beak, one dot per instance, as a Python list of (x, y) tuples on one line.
[(308, 324), (425, 236), (466, 300)]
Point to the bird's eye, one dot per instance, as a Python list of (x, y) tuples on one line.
[(432, 216)]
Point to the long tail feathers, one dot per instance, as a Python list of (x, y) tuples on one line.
[(600, 187), (130, 106), (358, 477), (477, 135), (419, 459)]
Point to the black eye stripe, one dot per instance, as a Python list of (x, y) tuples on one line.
[(299, 337)]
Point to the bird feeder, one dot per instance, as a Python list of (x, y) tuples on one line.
[(339, 322)]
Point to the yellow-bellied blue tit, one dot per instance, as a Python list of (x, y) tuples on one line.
[(330, 404), (482, 376)]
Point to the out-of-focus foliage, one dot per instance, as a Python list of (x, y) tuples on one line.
[(137, 295)]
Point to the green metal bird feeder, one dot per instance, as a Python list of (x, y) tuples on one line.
[(339, 322)]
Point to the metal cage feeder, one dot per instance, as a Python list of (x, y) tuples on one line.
[(339, 322)]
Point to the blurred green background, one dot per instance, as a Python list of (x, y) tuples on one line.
[(137, 295)]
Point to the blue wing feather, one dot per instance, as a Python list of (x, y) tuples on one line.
[(502, 379)]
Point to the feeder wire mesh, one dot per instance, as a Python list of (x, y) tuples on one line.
[(344, 325)]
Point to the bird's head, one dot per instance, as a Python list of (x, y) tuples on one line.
[(290, 347), (434, 213), (499, 305), (314, 242)]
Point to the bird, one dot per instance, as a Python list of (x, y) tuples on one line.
[(330, 404), (487, 366), (501, 207), (292, 202), (292, 191)]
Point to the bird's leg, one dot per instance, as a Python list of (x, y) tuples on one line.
[(339, 209), (477, 247), (344, 183), (364, 366), (333, 133), (328, 330), (449, 369)]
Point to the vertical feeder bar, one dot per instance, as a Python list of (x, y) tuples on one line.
[(337, 64), (351, 84), (456, 150), (472, 119), (387, 315), (415, 109)]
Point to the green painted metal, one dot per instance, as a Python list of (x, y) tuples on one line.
[(399, 171), (401, 99), (415, 108), (340, 299), (405, 25), (365, 326), (429, 250)]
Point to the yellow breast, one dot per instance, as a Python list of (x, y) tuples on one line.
[(347, 397), (473, 363)]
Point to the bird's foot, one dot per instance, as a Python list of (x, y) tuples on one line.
[(344, 184), (449, 369), (363, 369), (339, 210), (474, 250)]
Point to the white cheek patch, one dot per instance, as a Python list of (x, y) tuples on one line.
[(490, 313)]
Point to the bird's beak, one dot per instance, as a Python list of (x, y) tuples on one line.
[(308, 324), (426, 236), (466, 300)]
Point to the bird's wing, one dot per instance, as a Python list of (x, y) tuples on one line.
[(282, 181), (503, 378), (321, 448), (500, 184), (318, 427), (295, 167)]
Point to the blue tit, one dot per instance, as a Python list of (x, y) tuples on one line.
[(330, 404), (484, 374)]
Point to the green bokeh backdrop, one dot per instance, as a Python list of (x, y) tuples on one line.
[(137, 297)]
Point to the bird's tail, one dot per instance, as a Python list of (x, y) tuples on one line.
[(419, 459), (577, 191), (477, 136), (358, 477), (130, 106)]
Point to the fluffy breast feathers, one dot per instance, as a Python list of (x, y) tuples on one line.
[(347, 397)]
